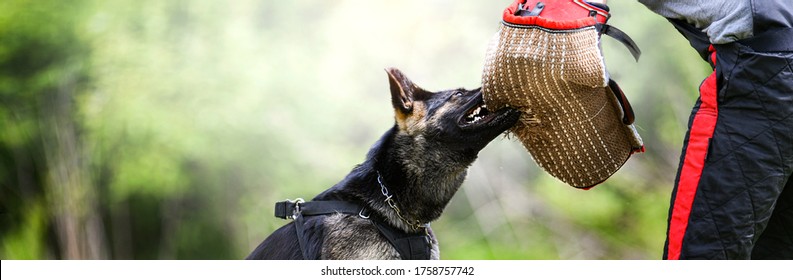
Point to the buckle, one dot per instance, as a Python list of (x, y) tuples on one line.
[(288, 209), (523, 9)]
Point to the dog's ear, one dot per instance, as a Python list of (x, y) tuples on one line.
[(402, 91)]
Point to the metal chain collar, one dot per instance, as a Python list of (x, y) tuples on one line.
[(389, 199)]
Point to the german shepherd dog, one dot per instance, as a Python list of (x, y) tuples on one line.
[(406, 181)]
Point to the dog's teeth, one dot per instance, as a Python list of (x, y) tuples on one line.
[(476, 115)]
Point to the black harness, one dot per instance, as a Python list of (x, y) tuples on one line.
[(411, 246)]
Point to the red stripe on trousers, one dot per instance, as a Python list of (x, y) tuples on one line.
[(693, 163)]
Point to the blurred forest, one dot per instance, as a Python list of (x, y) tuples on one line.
[(149, 129)]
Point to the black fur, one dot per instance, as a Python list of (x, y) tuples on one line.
[(423, 160)]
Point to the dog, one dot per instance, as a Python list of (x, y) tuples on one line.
[(382, 208)]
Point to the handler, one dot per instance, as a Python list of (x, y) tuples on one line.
[(733, 194)]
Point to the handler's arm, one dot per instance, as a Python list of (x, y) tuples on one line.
[(724, 21)]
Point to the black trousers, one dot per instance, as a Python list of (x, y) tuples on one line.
[(733, 195)]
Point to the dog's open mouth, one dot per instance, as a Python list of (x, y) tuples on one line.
[(480, 113)]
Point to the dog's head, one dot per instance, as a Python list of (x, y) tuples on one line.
[(456, 118)]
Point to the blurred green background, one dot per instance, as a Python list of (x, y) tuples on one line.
[(149, 129)]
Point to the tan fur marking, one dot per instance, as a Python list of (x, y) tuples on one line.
[(412, 123)]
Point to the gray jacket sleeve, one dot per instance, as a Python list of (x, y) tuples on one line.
[(723, 21)]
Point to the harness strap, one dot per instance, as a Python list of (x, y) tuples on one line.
[(621, 37), (285, 209), (523, 12), (411, 246), (301, 235), (627, 110), (298, 209)]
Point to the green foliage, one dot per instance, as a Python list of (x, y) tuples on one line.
[(27, 242), (41, 61), (189, 119)]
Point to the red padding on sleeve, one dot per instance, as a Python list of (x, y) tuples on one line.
[(557, 14)]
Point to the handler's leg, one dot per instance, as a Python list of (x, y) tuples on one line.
[(701, 126), (776, 242), (736, 158)]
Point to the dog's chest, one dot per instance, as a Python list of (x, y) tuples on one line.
[(352, 237)]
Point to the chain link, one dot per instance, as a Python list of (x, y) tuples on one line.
[(389, 199)]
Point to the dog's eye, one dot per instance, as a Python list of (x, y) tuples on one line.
[(458, 93)]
